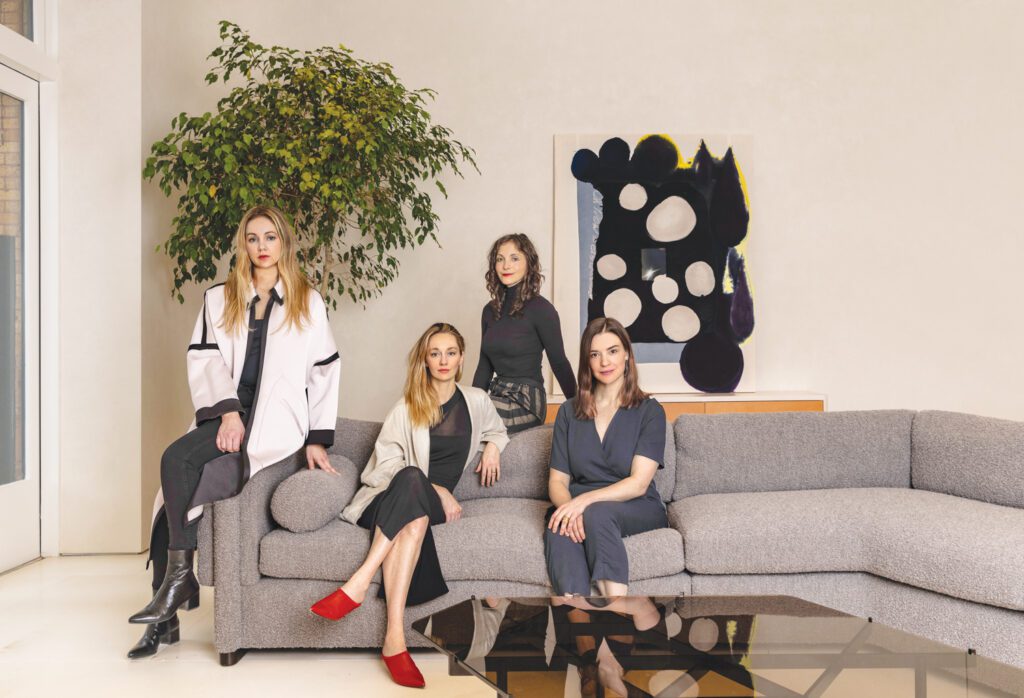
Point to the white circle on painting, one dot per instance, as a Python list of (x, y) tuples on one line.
[(632, 197), (623, 305), (704, 634), (682, 684), (664, 288), (673, 624), (611, 267), (679, 323), (671, 220), (700, 278)]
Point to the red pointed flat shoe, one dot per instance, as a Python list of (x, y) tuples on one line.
[(334, 606), (403, 670)]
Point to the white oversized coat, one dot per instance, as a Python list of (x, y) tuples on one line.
[(296, 398)]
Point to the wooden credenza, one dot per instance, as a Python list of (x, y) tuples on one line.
[(676, 404)]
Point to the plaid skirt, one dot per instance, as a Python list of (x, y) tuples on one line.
[(520, 405)]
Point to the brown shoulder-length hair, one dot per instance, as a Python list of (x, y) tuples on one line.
[(630, 395), (296, 283), (529, 287), (420, 397)]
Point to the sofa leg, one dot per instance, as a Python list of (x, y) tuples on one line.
[(231, 658)]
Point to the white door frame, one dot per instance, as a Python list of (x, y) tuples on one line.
[(19, 500), (37, 59)]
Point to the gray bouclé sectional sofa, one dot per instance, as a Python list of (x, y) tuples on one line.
[(913, 518)]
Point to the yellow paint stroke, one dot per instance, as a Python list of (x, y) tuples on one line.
[(745, 661)]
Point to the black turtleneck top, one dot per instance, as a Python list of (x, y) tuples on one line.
[(512, 346)]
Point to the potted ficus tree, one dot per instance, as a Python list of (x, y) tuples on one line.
[(338, 143)]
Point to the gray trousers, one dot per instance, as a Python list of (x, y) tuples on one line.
[(602, 554), (180, 469)]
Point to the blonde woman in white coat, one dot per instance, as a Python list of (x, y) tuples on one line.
[(263, 372), (424, 446)]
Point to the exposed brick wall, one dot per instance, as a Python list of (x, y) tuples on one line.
[(17, 14)]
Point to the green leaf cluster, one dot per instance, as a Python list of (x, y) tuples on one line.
[(338, 143)]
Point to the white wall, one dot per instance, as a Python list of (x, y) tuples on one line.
[(884, 180), (100, 284)]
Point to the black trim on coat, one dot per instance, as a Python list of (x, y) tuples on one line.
[(204, 310), (329, 360), (204, 414), (204, 320), (259, 381), (200, 347), (321, 437)]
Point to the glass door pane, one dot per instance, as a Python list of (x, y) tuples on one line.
[(12, 284)]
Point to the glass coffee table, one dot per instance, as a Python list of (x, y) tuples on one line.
[(636, 647)]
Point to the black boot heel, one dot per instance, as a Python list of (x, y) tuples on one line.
[(156, 634), (192, 603)]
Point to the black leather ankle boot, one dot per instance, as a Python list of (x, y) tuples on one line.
[(155, 635), (179, 588)]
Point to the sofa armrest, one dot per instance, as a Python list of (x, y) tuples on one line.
[(204, 566), (254, 519), (355, 439)]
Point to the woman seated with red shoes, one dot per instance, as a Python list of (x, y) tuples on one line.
[(426, 442)]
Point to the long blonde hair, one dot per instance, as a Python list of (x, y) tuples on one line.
[(420, 397), (296, 284)]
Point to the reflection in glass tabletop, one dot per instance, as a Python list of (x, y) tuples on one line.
[(699, 646)]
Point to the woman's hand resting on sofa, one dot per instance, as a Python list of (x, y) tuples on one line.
[(490, 465), (451, 506), (316, 456)]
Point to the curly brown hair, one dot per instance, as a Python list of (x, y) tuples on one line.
[(529, 286)]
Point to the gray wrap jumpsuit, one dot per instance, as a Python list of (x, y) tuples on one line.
[(592, 464)]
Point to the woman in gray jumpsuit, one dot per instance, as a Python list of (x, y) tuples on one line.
[(608, 442)]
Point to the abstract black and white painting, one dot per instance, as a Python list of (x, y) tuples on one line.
[(658, 241)]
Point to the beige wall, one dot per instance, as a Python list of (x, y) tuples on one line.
[(884, 181), (100, 284)]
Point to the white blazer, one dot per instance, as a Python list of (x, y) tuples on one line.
[(296, 398)]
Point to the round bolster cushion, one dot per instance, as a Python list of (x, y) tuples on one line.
[(311, 499)]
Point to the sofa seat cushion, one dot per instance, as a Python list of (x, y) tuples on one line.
[(496, 539), (959, 547)]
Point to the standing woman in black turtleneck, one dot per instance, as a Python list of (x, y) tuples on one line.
[(518, 325)]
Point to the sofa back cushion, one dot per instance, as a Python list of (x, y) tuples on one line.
[(354, 439), (791, 451), (969, 456), (524, 463), (665, 478), (524, 469)]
